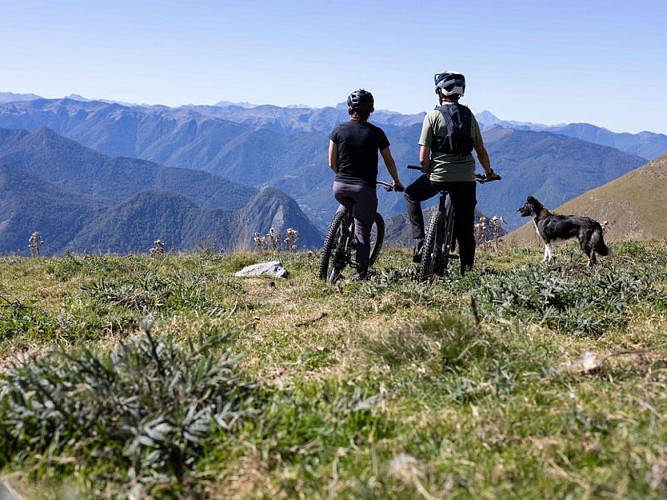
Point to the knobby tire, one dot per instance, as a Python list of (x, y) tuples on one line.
[(448, 237), (376, 245), (438, 243), (330, 267), (432, 247)]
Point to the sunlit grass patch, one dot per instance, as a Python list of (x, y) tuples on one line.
[(519, 379)]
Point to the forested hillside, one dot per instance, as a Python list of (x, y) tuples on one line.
[(84, 201)]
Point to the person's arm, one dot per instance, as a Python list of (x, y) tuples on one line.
[(425, 158), (425, 141), (480, 151), (333, 156), (391, 167), (483, 157)]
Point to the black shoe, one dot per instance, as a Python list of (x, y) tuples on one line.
[(419, 247)]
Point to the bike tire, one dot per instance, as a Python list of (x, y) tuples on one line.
[(432, 249), (447, 238), (332, 253), (377, 238)]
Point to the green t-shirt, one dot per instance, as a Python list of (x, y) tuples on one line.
[(449, 167)]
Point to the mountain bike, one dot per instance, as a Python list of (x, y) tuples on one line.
[(439, 236), (340, 243)]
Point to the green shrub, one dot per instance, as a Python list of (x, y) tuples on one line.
[(587, 303), (144, 409)]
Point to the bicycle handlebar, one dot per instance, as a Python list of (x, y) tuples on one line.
[(387, 186), (480, 177), (483, 178)]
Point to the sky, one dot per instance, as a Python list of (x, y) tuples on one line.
[(602, 62)]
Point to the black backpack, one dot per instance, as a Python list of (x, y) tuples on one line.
[(458, 139)]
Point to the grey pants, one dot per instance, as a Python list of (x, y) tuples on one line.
[(364, 202)]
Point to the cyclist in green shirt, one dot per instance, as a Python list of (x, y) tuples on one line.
[(449, 134)]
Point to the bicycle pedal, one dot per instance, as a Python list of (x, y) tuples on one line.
[(453, 256)]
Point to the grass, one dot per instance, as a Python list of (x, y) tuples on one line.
[(169, 377)]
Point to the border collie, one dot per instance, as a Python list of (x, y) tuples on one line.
[(553, 227)]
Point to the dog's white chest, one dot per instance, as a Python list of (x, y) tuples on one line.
[(537, 229)]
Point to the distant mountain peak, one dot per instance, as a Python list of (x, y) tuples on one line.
[(77, 97), (11, 97), (228, 104), (487, 117)]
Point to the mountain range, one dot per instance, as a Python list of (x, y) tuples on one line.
[(286, 148), (82, 200), (648, 145), (248, 147)]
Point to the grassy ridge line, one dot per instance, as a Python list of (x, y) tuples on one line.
[(631, 205), (388, 388)]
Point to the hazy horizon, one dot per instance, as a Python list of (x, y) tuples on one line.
[(596, 62)]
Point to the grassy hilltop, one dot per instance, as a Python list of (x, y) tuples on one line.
[(171, 378)]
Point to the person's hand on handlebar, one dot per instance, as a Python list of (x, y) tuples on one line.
[(492, 176), (398, 187)]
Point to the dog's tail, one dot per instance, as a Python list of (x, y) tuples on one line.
[(597, 242)]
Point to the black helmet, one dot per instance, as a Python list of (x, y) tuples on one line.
[(361, 100), (450, 83)]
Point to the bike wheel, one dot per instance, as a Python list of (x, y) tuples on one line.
[(334, 253), (377, 238), (432, 249)]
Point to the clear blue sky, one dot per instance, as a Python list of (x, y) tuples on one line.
[(546, 61)]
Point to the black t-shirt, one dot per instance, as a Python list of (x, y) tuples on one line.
[(358, 146)]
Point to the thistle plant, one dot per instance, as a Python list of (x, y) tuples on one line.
[(489, 230), (273, 240), (154, 401), (290, 239)]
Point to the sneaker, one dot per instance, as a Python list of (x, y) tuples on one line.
[(419, 247), (359, 277)]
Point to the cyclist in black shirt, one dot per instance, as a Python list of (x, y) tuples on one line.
[(353, 156)]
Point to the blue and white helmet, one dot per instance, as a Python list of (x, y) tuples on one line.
[(450, 83)]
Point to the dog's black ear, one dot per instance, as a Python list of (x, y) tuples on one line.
[(531, 199)]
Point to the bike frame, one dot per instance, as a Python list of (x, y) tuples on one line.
[(439, 236)]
